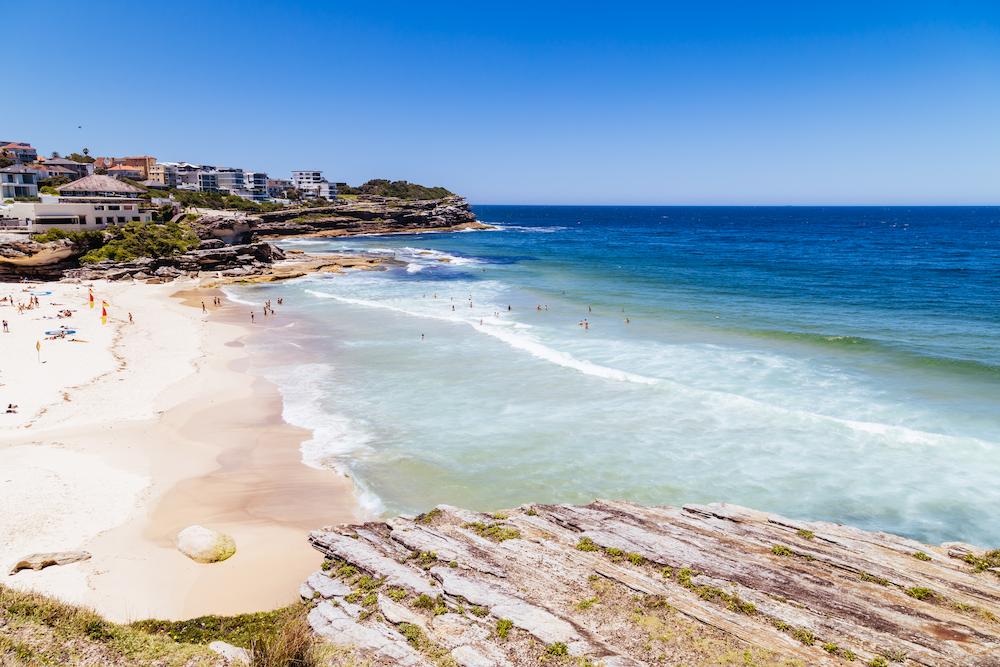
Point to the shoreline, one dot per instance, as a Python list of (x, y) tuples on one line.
[(168, 434)]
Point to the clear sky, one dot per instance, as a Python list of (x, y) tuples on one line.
[(538, 102)]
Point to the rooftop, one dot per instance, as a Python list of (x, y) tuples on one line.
[(17, 169), (98, 183)]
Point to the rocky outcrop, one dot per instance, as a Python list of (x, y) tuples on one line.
[(345, 217), (211, 256), (44, 560), (21, 257), (617, 584), (205, 545)]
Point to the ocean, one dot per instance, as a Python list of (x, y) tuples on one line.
[(827, 363)]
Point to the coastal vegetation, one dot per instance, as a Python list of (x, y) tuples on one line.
[(400, 189), (39, 630), (143, 239)]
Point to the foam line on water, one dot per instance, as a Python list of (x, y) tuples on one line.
[(899, 434), (524, 343), (232, 296)]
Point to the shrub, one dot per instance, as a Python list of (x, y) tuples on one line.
[(558, 648), (495, 532), (984, 562), (920, 555), (781, 550), (587, 544), (292, 644), (144, 239), (503, 627), (919, 592)]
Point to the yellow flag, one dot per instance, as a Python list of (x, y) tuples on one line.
[(38, 346)]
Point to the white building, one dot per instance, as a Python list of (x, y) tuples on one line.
[(18, 181), (93, 202), (312, 184), (74, 213), (255, 183)]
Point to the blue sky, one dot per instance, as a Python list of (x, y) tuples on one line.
[(543, 102)]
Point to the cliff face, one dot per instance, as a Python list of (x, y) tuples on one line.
[(364, 215), (21, 257), (621, 584)]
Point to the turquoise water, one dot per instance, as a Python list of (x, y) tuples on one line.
[(839, 364)]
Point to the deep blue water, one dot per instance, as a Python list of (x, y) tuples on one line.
[(833, 363)]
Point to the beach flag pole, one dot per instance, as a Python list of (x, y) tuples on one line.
[(91, 299), (38, 350), (104, 312)]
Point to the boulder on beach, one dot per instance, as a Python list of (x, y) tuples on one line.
[(205, 545), (44, 560)]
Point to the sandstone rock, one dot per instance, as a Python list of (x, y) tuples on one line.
[(205, 545), (623, 585), (233, 655), (327, 588), (43, 560), (334, 624)]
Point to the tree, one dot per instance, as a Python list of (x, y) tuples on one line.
[(80, 157), (55, 154), (86, 151)]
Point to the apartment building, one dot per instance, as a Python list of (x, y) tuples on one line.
[(142, 162), (312, 184), (18, 181), (164, 174)]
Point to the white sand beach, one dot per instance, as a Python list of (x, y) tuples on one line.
[(126, 433)]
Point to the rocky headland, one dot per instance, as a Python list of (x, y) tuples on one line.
[(615, 583), (363, 214), (234, 244)]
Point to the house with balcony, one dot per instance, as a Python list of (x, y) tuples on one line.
[(78, 169), (17, 181), (18, 151)]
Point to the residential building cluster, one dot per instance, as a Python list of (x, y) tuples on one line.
[(95, 194)]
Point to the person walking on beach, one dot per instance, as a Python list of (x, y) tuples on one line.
[(203, 308), (251, 317), (5, 328), (130, 320)]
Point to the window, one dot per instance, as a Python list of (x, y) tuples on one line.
[(121, 218)]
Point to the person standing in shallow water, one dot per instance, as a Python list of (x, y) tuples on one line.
[(251, 317)]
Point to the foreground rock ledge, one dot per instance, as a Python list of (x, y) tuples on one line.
[(615, 583)]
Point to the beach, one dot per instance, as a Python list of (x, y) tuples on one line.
[(127, 432)]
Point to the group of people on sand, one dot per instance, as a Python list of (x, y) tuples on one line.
[(11, 409), (21, 306), (216, 301)]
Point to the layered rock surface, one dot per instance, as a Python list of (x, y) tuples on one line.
[(211, 256), (364, 215), (616, 583), (22, 257)]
